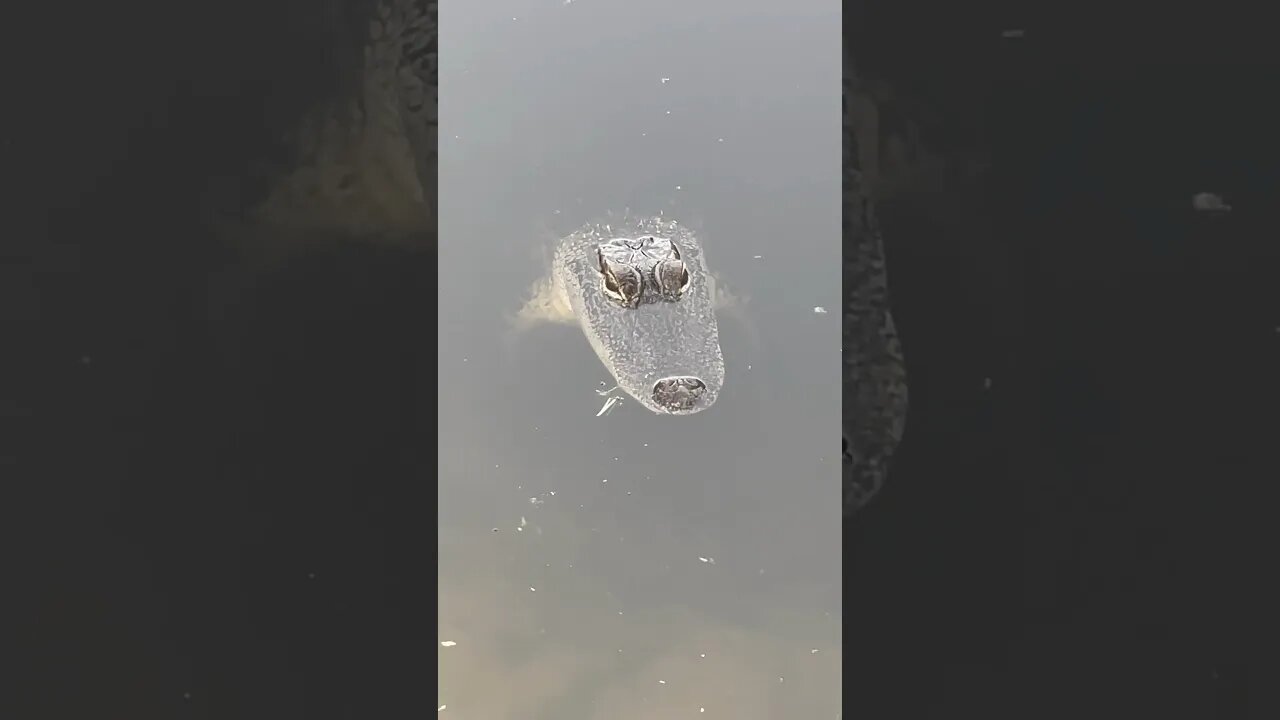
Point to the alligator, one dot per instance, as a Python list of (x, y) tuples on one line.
[(646, 301)]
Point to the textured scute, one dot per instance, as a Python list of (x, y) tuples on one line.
[(641, 345)]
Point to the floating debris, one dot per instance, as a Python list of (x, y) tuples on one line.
[(756, 257), (820, 310), (448, 643), (666, 80), (1014, 33), (604, 389), (813, 651), (1209, 202), (609, 405), (441, 708), (986, 383), (710, 560)]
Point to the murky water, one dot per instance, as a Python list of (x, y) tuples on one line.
[(636, 566)]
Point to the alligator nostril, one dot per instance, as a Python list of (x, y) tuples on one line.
[(678, 394)]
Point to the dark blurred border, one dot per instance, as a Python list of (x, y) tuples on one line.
[(1081, 538), (188, 536)]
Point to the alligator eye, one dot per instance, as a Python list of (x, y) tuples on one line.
[(621, 284), (629, 286), (673, 278)]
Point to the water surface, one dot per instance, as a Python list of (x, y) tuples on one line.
[(639, 566)]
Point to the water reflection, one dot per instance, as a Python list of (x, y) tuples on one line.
[(636, 565)]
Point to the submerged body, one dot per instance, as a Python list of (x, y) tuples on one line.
[(642, 294)]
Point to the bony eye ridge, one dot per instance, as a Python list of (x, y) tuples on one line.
[(644, 270)]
